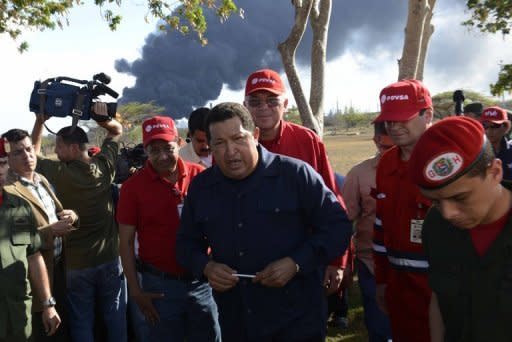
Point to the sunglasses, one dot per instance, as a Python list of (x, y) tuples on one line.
[(488, 125), (270, 101)]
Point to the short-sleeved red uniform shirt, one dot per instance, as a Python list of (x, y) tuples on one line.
[(150, 203)]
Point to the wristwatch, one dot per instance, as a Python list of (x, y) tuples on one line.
[(50, 302)]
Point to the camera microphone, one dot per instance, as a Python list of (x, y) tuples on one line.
[(458, 98), (102, 77)]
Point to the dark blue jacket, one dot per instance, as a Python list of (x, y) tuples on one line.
[(282, 209), (505, 155)]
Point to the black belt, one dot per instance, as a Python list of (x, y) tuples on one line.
[(147, 268)]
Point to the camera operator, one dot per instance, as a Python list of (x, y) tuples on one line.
[(95, 280)]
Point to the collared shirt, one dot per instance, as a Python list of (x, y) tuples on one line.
[(356, 192), (187, 153), (152, 204), (282, 209), (39, 191)]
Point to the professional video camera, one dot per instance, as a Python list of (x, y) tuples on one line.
[(131, 158), (66, 96)]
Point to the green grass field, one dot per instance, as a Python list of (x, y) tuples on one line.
[(344, 152)]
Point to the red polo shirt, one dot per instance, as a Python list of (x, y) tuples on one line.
[(150, 203)]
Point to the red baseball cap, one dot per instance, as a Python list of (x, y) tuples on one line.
[(158, 127), (402, 100), (446, 152), (3, 143), (264, 79), (494, 114)]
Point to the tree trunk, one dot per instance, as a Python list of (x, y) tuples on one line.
[(311, 112), (428, 30), (320, 16), (417, 36), (287, 50)]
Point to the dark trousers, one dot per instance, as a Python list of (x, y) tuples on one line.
[(59, 293), (376, 321)]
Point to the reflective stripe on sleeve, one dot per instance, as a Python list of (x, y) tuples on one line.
[(408, 264), (378, 224), (379, 249)]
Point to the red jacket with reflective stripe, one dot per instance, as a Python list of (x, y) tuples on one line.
[(400, 261)]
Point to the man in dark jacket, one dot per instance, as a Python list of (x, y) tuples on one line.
[(272, 226)]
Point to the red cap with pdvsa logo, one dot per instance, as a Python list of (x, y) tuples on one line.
[(446, 152), (265, 79), (402, 100), (158, 128), (494, 114)]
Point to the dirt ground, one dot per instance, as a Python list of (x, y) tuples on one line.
[(345, 151)]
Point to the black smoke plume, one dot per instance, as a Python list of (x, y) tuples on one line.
[(178, 73)]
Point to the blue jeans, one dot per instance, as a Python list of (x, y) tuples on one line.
[(376, 321), (138, 322), (104, 287), (187, 310)]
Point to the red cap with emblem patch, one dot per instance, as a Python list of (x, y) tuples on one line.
[(446, 151), (402, 100)]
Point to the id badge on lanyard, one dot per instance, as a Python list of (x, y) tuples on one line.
[(416, 226)]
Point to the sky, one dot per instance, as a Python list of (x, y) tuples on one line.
[(365, 41)]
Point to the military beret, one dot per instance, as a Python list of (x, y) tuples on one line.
[(3, 143), (446, 151)]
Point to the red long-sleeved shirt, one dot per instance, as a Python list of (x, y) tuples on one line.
[(302, 143)]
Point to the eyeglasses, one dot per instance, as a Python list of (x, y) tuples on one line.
[(165, 150), (488, 125), (270, 101)]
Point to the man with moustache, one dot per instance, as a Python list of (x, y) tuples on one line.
[(268, 251), (197, 150), (176, 304)]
